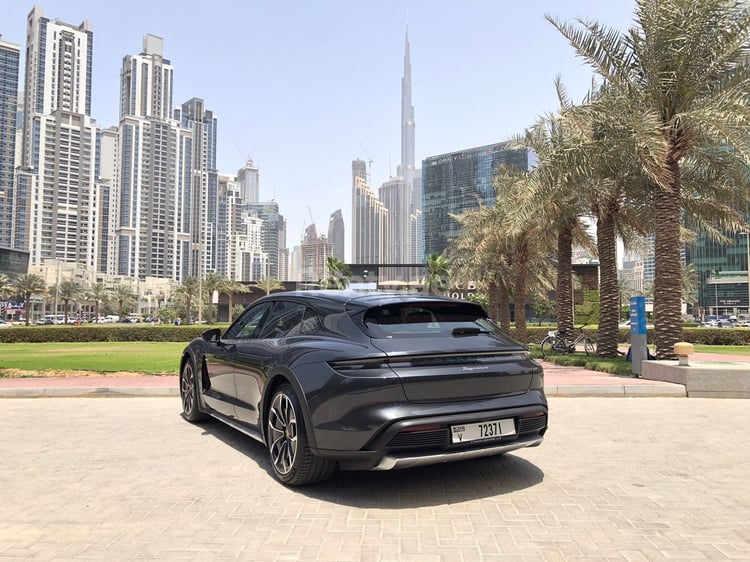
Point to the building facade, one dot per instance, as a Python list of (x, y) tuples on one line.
[(315, 252), (199, 211), (722, 275), (151, 234), (457, 181), (370, 235), (337, 234), (9, 71), (57, 191)]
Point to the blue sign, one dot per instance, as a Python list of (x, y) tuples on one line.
[(638, 316)]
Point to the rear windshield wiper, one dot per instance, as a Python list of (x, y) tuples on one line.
[(468, 331)]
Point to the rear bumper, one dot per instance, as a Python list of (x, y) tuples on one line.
[(426, 440), (396, 461)]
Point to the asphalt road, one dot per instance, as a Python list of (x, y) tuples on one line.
[(616, 479)]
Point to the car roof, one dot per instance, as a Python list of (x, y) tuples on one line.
[(362, 298)]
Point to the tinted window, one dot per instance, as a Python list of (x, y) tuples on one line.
[(428, 318), (247, 325), (284, 318)]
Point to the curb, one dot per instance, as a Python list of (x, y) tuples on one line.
[(616, 391), (90, 392)]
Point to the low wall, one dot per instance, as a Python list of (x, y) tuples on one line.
[(703, 379)]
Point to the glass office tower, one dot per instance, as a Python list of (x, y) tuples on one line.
[(455, 182), (722, 274)]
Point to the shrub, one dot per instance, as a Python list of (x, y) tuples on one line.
[(99, 333)]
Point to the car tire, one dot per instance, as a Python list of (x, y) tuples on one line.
[(191, 409), (292, 461)]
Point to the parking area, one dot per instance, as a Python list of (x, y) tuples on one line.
[(616, 479)]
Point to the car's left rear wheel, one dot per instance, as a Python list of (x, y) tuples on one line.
[(291, 459), (189, 393)]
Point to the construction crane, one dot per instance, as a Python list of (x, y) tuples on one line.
[(369, 163), (246, 158)]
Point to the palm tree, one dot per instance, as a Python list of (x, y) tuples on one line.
[(556, 196), (231, 288), (125, 298), (69, 291), (5, 286), (624, 293), (212, 282), (478, 254), (28, 285), (97, 293), (528, 242), (269, 284), (690, 282), (338, 274), (682, 69), (186, 294), (5, 289), (434, 281)]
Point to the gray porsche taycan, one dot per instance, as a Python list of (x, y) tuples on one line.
[(344, 380)]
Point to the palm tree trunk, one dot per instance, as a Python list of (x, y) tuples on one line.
[(520, 295), (667, 283), (564, 290), (503, 298), (609, 294), (492, 296)]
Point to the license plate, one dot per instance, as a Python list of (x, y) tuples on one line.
[(483, 430)]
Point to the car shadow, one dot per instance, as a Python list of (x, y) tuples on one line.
[(439, 484)]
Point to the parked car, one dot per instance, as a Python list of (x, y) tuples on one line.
[(365, 381), (4, 324)]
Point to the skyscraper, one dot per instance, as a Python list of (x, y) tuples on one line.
[(397, 195), (152, 234), (370, 236), (55, 209), (273, 237), (407, 120), (315, 253), (248, 179), (336, 233), (452, 183), (9, 66), (202, 211)]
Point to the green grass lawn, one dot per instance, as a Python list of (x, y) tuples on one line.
[(158, 358), (154, 358)]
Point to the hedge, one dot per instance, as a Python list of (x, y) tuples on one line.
[(185, 333), (95, 333), (698, 336)]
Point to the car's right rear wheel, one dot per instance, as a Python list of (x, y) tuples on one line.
[(291, 459)]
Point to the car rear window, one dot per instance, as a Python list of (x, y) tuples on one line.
[(421, 319)]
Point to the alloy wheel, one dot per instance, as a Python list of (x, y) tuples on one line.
[(187, 388), (282, 424)]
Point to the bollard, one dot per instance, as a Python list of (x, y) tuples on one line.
[(683, 350)]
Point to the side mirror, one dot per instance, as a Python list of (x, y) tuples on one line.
[(212, 335)]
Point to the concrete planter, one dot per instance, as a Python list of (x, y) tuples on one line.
[(703, 379)]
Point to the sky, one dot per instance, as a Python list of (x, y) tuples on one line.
[(303, 87)]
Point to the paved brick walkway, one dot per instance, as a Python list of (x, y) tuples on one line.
[(615, 479)]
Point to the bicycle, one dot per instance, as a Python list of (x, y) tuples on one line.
[(556, 342)]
